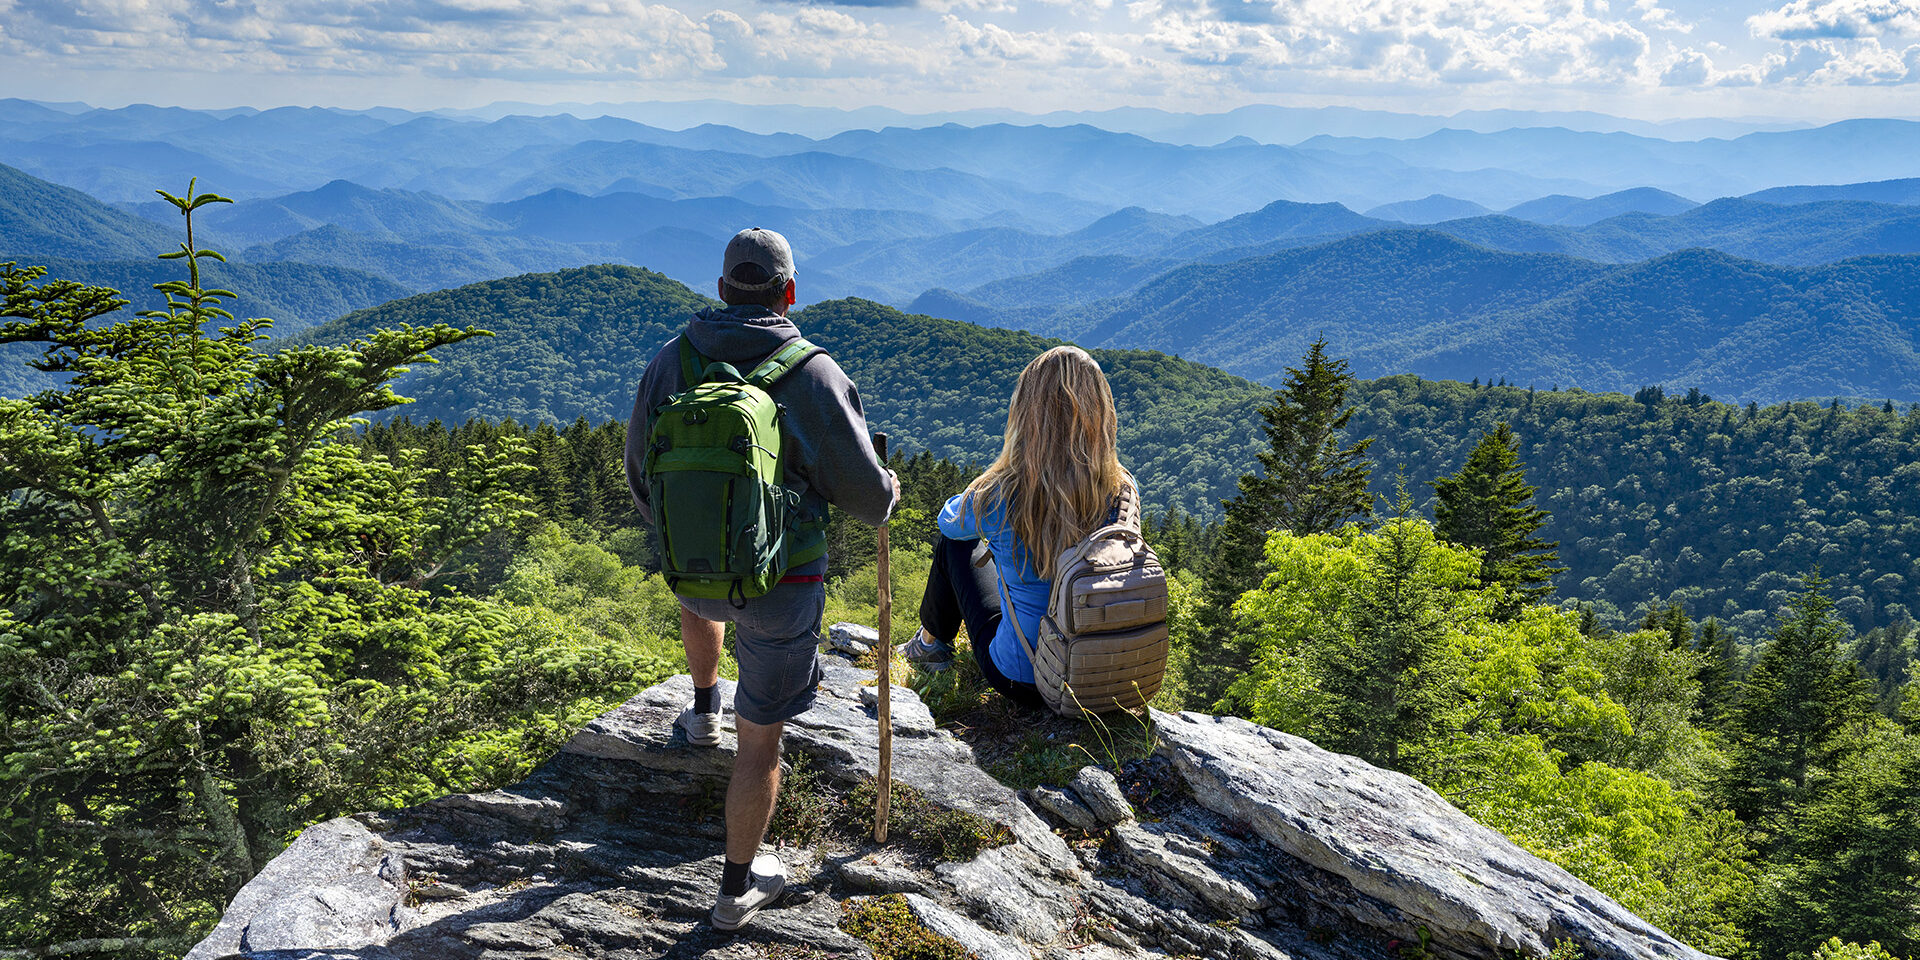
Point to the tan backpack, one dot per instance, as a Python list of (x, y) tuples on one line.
[(1103, 639)]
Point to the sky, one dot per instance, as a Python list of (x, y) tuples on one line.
[(1646, 59)]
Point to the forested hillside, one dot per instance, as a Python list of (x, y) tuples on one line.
[(1713, 506), (1426, 303), (1668, 499), (572, 344)]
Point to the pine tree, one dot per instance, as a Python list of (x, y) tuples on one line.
[(1383, 686), (1794, 706), (1487, 505), (1308, 483), (1719, 669)]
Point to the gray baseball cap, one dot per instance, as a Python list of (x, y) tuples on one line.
[(757, 259)]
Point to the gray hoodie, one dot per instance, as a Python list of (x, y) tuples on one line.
[(830, 456)]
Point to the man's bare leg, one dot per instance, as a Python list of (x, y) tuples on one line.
[(755, 785), (702, 639)]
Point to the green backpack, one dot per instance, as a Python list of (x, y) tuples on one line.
[(727, 526)]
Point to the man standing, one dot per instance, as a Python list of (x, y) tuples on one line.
[(829, 459)]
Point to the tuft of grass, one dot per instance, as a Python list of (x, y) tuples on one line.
[(806, 810), (927, 827), (888, 928), (810, 812)]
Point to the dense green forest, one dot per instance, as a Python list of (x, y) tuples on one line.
[(231, 607), (1655, 500), (572, 344)]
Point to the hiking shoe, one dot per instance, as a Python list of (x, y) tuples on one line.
[(765, 883), (702, 729), (927, 653)]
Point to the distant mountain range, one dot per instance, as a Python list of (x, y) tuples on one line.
[(1059, 175), (1423, 302), (1265, 123), (1110, 237)]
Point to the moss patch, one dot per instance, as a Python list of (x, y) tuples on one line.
[(888, 928)]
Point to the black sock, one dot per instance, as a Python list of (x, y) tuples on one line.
[(733, 880), (705, 699)]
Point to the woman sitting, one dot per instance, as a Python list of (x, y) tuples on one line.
[(1057, 479)]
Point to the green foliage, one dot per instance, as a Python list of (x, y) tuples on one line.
[(1851, 865), (888, 928), (1385, 681), (1525, 722), (1487, 505), (1838, 949), (1712, 506), (219, 622), (1795, 706)]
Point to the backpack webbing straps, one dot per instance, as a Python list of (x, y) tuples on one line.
[(792, 354), (693, 366)]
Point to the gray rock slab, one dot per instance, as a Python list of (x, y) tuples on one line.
[(881, 877), (982, 943), (1066, 806), (335, 887), (1009, 890), (1187, 862), (852, 639), (1101, 793), (1395, 840)]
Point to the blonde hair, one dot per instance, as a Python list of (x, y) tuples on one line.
[(1058, 470)]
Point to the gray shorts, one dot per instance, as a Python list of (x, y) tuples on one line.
[(776, 640)]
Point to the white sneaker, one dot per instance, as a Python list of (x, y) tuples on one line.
[(765, 882), (702, 729)]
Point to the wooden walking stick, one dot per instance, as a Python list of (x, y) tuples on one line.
[(885, 794)]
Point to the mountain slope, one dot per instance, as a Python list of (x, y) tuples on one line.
[(1905, 191), (40, 219), (1426, 303), (573, 344), (1578, 212), (296, 296)]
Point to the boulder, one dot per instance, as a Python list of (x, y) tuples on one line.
[(1397, 842), (1257, 846)]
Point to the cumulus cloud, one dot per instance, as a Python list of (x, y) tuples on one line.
[(1419, 41), (1838, 20), (1690, 68), (1009, 50)]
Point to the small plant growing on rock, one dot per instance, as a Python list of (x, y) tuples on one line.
[(888, 928), (804, 813), (947, 834)]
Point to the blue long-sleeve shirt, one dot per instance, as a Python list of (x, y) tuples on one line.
[(959, 520)]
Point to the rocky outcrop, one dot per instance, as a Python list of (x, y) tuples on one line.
[(1234, 841)]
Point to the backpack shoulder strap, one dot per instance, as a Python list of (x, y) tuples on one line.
[(783, 361), (693, 366)]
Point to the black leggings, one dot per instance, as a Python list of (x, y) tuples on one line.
[(959, 592)]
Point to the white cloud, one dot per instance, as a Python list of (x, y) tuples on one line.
[(1038, 53), (1838, 20), (1690, 68)]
